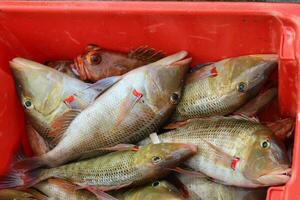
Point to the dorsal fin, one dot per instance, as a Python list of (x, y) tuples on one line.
[(146, 54)]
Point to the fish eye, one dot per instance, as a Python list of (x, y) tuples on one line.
[(242, 87), (174, 98), (94, 59), (28, 104), (155, 184), (265, 144), (156, 159)]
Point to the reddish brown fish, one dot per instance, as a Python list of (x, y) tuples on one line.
[(97, 63)]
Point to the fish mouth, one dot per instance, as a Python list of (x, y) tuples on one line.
[(79, 68), (276, 177)]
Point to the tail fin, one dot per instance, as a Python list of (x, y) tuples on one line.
[(19, 179), (29, 164)]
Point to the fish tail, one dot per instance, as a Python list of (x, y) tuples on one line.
[(29, 164), (17, 178)]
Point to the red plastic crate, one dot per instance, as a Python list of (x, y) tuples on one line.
[(209, 31)]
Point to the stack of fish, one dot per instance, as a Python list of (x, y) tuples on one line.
[(92, 124)]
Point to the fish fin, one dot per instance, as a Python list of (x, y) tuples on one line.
[(19, 155), (19, 179), (101, 195), (244, 117), (121, 147), (60, 125), (179, 185), (221, 157), (92, 47), (145, 54), (29, 164), (154, 138), (127, 105), (188, 172), (203, 73), (37, 194), (63, 184), (37, 143), (177, 124), (103, 84), (256, 104), (102, 188), (199, 66)]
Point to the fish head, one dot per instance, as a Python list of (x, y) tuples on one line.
[(164, 80), (39, 87), (242, 77), (267, 163), (157, 159), (97, 63)]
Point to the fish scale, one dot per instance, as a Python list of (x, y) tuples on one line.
[(207, 94), (230, 137), (103, 171), (123, 168), (120, 115)]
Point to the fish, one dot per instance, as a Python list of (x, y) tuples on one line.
[(113, 171), (13, 194), (127, 112), (202, 188), (98, 63), (232, 151), (63, 66), (37, 143), (252, 107), (282, 128), (48, 96), (61, 189), (222, 87), (157, 190)]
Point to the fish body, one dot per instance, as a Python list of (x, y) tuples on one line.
[(57, 189), (232, 151), (222, 87), (126, 113), (48, 95), (97, 63), (111, 171), (12, 194), (203, 188), (158, 190)]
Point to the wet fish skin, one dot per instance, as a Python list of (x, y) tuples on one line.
[(203, 188), (222, 87), (233, 151), (13, 194), (157, 190), (111, 171), (63, 190), (98, 63), (129, 111), (44, 91)]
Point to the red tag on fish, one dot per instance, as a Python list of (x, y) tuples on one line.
[(136, 148), (69, 99), (137, 93), (234, 162), (214, 71)]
